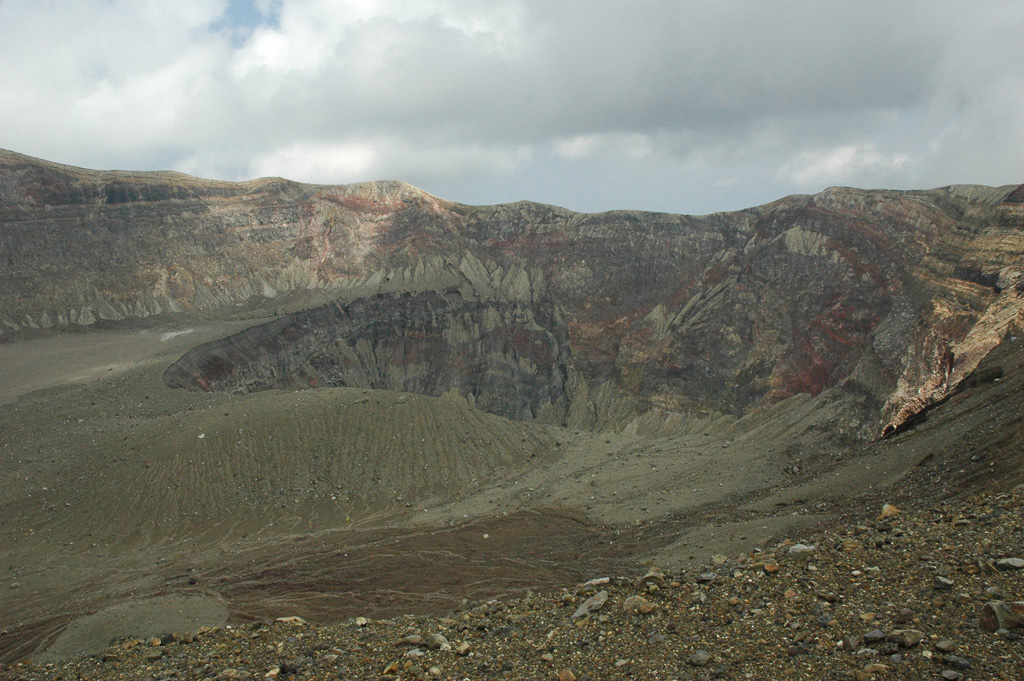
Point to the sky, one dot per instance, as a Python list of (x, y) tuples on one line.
[(667, 105)]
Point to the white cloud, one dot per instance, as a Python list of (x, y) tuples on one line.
[(658, 103), (627, 145), (841, 164), (388, 158)]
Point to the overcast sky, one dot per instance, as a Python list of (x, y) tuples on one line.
[(680, 106)]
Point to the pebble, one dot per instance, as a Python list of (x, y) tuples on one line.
[(802, 549), (874, 636), (231, 674), (1009, 564), (700, 658)]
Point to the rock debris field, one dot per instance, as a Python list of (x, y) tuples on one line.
[(910, 593)]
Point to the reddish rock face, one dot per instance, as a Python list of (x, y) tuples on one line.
[(888, 298)]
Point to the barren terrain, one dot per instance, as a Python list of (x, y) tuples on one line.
[(188, 509), (224, 403)]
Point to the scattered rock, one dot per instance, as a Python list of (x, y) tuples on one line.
[(592, 604), (653, 576), (298, 621), (997, 615), (987, 567), (873, 669), (1010, 564), (888, 511), (874, 636), (594, 583), (438, 642), (231, 674), (700, 658), (904, 616), (906, 638), (638, 605)]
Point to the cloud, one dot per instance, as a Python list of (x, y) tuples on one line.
[(629, 145), (360, 159), (679, 105), (841, 164)]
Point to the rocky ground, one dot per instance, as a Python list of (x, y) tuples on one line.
[(922, 592)]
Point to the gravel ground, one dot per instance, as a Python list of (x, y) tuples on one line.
[(900, 596)]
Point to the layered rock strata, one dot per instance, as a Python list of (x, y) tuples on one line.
[(887, 298)]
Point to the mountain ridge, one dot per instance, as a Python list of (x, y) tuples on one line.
[(893, 295)]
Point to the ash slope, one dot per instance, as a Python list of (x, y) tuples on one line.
[(891, 298), (908, 597)]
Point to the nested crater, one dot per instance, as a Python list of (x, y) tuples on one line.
[(507, 358)]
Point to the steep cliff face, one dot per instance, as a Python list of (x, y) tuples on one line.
[(890, 298), (506, 358)]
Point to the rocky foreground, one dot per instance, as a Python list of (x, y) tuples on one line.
[(917, 593)]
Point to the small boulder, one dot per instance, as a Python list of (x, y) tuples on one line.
[(906, 638), (592, 604), (802, 549), (653, 576), (996, 615), (888, 511), (231, 674), (638, 605), (700, 658), (438, 642)]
